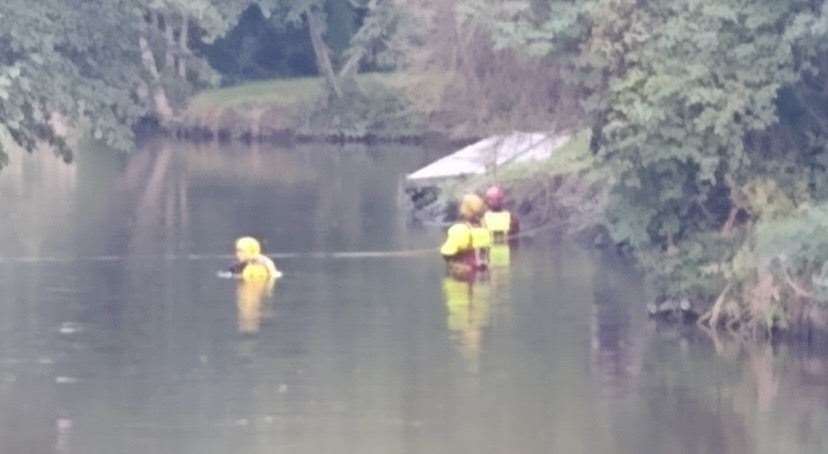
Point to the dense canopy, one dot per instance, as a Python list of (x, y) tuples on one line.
[(710, 116), (95, 63)]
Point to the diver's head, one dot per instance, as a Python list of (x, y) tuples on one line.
[(494, 197), (247, 248), (471, 207)]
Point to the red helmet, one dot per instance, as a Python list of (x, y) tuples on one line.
[(494, 197)]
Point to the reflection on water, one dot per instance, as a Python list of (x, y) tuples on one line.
[(33, 190), (500, 257), (253, 299), (468, 306), (125, 341), (616, 348), (472, 307)]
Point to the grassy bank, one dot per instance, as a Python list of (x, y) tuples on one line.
[(266, 93), (386, 106)]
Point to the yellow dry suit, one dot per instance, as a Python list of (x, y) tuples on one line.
[(482, 243), (499, 224), (260, 268), (467, 245), (252, 265), (257, 276), (251, 299), (458, 240)]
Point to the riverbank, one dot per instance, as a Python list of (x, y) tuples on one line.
[(565, 193), (380, 107), (747, 280)]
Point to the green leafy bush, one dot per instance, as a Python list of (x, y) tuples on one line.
[(370, 110)]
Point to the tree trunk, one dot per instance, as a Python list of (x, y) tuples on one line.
[(323, 58), (351, 66), (183, 49), (159, 96)]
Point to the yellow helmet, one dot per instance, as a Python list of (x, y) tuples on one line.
[(247, 248), (472, 206)]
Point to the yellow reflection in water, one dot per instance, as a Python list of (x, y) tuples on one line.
[(500, 255), (252, 302), (468, 305)]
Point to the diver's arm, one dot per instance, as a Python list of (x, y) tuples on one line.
[(237, 268)]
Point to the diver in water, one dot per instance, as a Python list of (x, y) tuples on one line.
[(467, 244), (500, 222), (251, 263)]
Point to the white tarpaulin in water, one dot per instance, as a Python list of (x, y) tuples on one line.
[(493, 152)]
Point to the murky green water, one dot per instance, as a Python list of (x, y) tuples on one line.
[(116, 336)]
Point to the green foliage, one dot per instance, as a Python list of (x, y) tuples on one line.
[(384, 37), (68, 64), (796, 247), (258, 48), (213, 17), (539, 28), (690, 121), (378, 41), (372, 109), (711, 116), (342, 24), (56, 65), (178, 28)]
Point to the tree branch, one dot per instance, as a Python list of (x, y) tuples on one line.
[(802, 293)]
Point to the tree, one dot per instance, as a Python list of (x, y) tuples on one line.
[(374, 39), (711, 115), (490, 81), (93, 63), (382, 38), (57, 66), (169, 30), (258, 48)]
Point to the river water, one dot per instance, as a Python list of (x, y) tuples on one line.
[(116, 336)]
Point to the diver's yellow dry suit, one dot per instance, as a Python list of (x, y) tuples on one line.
[(251, 302), (467, 243), (252, 265), (499, 220), (499, 224), (257, 275), (502, 225)]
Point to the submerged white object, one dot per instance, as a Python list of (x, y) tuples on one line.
[(492, 153)]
